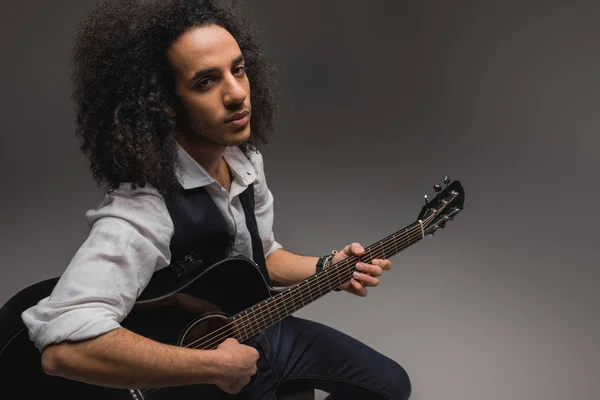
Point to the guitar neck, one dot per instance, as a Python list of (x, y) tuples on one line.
[(266, 313)]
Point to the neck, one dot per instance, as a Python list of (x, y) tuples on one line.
[(206, 153), (253, 320)]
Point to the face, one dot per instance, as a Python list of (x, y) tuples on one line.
[(211, 85)]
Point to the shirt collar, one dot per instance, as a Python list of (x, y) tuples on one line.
[(193, 175)]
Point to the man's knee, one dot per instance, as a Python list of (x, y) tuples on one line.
[(400, 385)]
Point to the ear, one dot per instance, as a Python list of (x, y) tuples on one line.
[(171, 112)]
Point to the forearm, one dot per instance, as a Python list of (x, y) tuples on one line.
[(124, 359), (287, 268)]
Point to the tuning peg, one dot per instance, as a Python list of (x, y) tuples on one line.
[(446, 180), (426, 202), (436, 188)]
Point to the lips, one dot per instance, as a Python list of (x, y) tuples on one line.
[(239, 120), (237, 116)]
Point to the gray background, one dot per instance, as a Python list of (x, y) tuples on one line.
[(377, 105)]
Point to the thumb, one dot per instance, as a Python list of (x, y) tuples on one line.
[(354, 249), (347, 251)]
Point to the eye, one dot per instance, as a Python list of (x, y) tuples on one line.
[(204, 83), (239, 70)]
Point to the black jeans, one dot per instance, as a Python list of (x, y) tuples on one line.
[(302, 352)]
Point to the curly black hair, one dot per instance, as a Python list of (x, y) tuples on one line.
[(123, 85)]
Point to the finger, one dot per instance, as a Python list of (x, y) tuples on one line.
[(346, 250), (358, 288), (353, 249), (357, 249), (385, 265), (365, 280), (370, 269)]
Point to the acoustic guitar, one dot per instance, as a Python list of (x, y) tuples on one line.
[(201, 309)]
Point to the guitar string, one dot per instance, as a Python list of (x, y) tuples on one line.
[(339, 272), (296, 298), (230, 325), (225, 333), (315, 291), (342, 270)]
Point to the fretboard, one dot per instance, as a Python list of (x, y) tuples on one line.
[(266, 313)]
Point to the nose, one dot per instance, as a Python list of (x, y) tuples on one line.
[(235, 92)]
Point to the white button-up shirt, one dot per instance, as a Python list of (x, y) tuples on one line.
[(130, 233)]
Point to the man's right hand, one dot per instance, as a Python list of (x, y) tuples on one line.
[(237, 365)]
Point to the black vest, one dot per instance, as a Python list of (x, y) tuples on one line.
[(201, 233)]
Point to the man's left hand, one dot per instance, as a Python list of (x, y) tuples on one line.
[(366, 274)]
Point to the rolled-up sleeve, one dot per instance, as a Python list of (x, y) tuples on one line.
[(263, 207), (130, 233)]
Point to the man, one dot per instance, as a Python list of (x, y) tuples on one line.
[(164, 92)]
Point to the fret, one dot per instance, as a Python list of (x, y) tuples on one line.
[(339, 277), (236, 327), (372, 253), (319, 286), (302, 298), (243, 325), (309, 292), (312, 288), (262, 321), (283, 300), (268, 312), (279, 316), (255, 323), (383, 250), (294, 306)]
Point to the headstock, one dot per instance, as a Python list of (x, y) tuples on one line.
[(443, 207)]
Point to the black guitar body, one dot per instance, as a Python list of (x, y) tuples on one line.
[(184, 303), (187, 310)]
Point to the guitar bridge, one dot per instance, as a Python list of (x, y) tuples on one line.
[(136, 394)]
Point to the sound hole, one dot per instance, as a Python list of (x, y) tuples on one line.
[(207, 332)]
